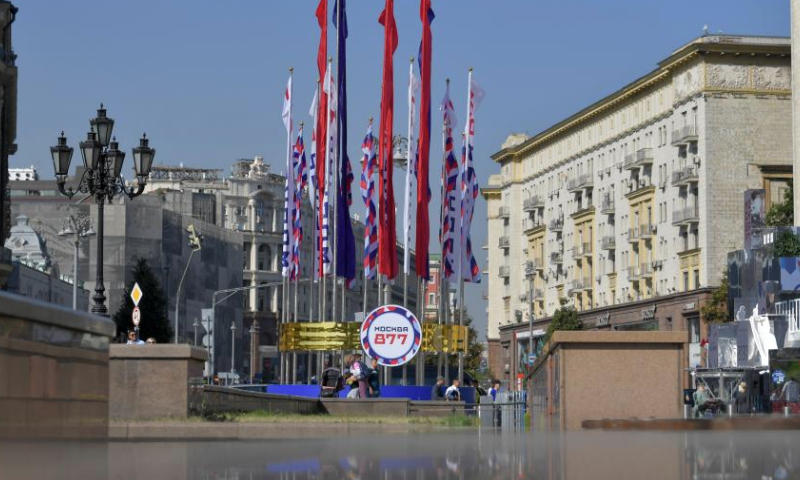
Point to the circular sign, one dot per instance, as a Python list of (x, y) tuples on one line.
[(392, 335), (136, 316)]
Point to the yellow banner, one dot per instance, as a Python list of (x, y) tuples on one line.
[(335, 336)]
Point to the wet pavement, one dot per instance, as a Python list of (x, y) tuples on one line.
[(414, 456)]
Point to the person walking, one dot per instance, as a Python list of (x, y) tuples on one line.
[(741, 399), (373, 381), (791, 391), (699, 397), (453, 394), (437, 392)]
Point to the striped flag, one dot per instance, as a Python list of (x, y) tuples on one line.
[(451, 196), (423, 165), (368, 195), (330, 149), (301, 180), (470, 271), (288, 195), (411, 170), (313, 186)]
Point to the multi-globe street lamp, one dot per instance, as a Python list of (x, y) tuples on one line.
[(78, 228), (102, 179)]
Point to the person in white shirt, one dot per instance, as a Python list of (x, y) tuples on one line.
[(132, 340), (453, 393)]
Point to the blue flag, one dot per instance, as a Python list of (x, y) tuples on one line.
[(345, 241)]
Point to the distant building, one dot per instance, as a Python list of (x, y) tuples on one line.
[(23, 174), (627, 209), (33, 274)]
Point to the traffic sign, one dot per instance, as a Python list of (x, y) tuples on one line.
[(136, 294), (531, 358), (392, 335), (136, 316)]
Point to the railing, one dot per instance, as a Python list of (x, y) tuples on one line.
[(586, 283), (531, 224), (607, 206), (533, 203), (557, 224), (633, 234), (504, 271), (645, 269), (609, 242), (504, 242), (686, 215), (581, 181), (504, 212), (538, 294), (639, 184), (644, 156), (587, 249), (791, 309), (646, 230), (575, 286), (685, 175), (685, 134), (629, 161), (538, 263), (577, 251), (557, 258), (633, 274)]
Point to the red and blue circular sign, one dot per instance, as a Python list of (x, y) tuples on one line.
[(392, 335)]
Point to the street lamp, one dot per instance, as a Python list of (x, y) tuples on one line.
[(195, 244), (102, 179), (78, 229)]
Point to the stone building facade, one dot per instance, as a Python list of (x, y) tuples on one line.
[(640, 195)]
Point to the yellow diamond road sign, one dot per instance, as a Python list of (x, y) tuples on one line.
[(136, 294)]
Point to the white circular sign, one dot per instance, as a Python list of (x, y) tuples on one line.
[(136, 316), (392, 335)]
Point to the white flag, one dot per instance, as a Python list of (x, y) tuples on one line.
[(411, 168)]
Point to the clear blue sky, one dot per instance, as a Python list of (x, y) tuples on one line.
[(204, 78)]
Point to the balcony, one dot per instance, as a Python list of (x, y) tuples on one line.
[(533, 203), (577, 252), (586, 283), (538, 294), (575, 286), (645, 270), (684, 135), (504, 212), (557, 258), (642, 157), (633, 235), (638, 185), (580, 182), (538, 264), (633, 274), (587, 249), (686, 216), (504, 242), (504, 271), (557, 224), (607, 207), (609, 242), (530, 225), (686, 176), (646, 231)]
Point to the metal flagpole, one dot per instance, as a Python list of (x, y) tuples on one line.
[(420, 366), (460, 324), (294, 354), (407, 219)]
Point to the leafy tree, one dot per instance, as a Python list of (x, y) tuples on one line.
[(472, 359), (786, 245), (782, 214), (716, 311), (564, 318), (155, 321)]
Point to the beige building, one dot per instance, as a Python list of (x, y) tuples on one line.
[(639, 195)]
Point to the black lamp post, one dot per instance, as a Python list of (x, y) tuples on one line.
[(102, 179)]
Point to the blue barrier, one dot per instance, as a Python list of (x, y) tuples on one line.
[(308, 391)]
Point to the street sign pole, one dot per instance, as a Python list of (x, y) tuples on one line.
[(136, 315)]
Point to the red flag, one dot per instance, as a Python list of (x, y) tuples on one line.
[(423, 163), (321, 128), (387, 234)]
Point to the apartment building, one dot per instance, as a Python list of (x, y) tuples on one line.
[(639, 196)]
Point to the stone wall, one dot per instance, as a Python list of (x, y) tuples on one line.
[(53, 371), (154, 381), (224, 399)]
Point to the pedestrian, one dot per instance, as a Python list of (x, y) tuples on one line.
[(361, 373), (437, 392), (699, 397), (741, 399), (133, 340), (453, 394), (373, 381), (791, 391), (494, 390)]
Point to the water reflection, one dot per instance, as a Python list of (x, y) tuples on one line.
[(590, 455)]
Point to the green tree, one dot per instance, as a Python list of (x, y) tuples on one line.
[(782, 214), (155, 321), (786, 245), (564, 318), (716, 311)]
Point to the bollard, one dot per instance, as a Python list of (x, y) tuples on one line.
[(687, 411), (730, 409), (787, 411)]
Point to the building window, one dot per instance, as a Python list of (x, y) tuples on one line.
[(264, 257), (697, 279), (685, 281), (693, 323)]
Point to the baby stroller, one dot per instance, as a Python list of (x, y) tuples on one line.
[(332, 383)]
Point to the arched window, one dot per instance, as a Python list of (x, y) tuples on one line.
[(264, 257)]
